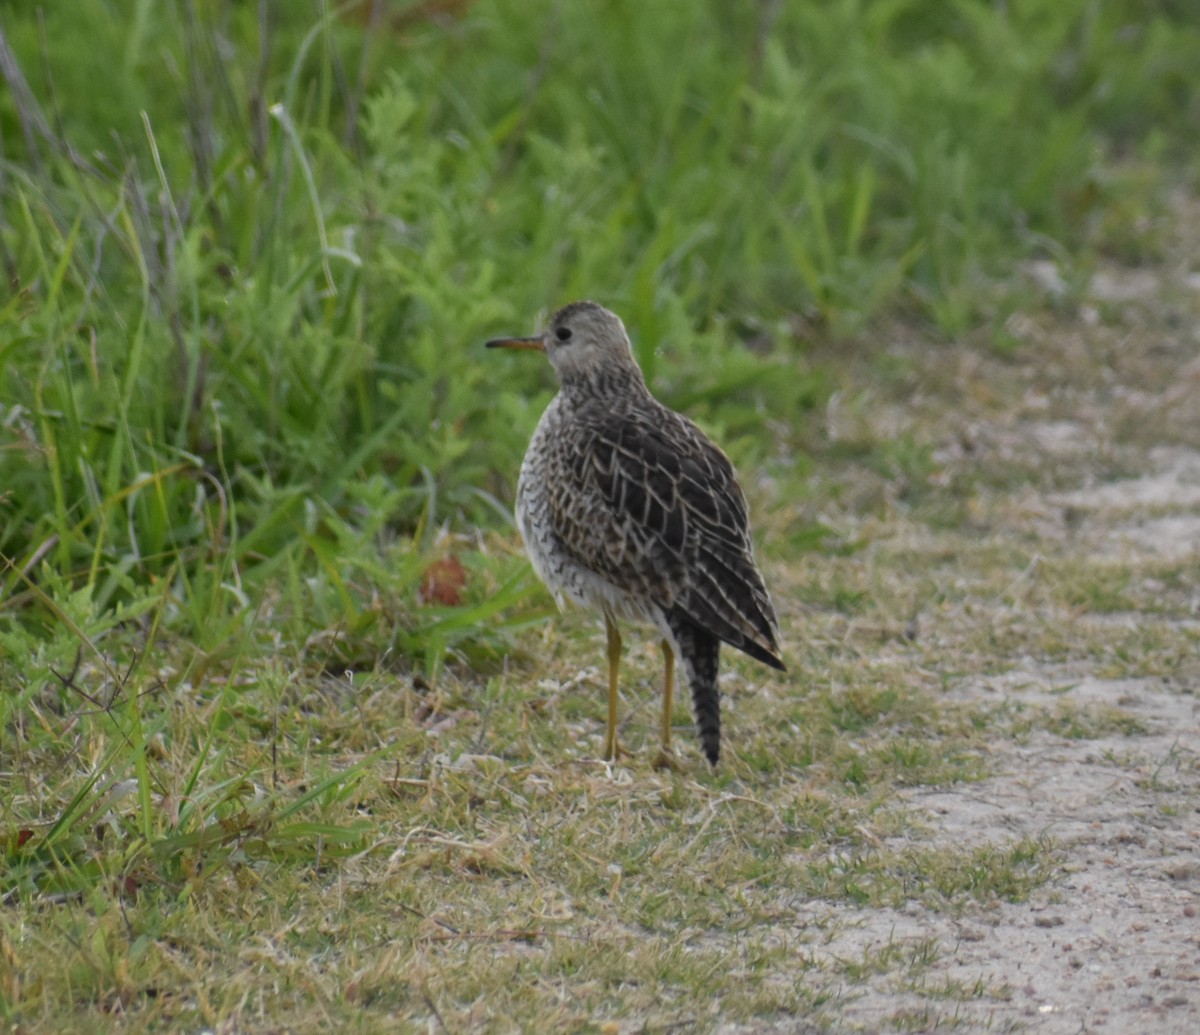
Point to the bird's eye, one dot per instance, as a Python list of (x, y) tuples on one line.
[(563, 334)]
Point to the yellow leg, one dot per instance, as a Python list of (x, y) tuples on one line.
[(666, 758), (668, 694), (611, 748)]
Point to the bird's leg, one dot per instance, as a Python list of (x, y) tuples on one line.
[(666, 758), (612, 750), (668, 693)]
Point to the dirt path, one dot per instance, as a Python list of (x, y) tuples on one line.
[(1086, 446)]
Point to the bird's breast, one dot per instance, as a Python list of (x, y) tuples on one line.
[(552, 506)]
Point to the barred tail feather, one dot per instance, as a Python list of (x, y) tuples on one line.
[(699, 651)]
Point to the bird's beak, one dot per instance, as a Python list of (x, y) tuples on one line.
[(536, 344)]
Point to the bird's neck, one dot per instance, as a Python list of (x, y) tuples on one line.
[(615, 382)]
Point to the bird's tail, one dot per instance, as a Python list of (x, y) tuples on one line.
[(699, 650)]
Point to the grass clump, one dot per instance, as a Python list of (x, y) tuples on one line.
[(939, 878)]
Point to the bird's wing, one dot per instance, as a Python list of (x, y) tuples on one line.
[(665, 518)]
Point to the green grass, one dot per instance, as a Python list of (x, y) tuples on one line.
[(289, 738)]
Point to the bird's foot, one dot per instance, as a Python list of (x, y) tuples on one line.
[(614, 752), (665, 759)]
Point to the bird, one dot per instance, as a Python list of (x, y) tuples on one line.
[(625, 506)]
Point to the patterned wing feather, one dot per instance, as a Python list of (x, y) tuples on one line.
[(657, 510)]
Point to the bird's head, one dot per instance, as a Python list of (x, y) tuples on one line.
[(582, 340)]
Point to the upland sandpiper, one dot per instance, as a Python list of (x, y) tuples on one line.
[(626, 506)]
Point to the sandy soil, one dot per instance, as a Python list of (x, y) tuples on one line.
[(1112, 943)]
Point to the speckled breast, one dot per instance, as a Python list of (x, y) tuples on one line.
[(545, 484)]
